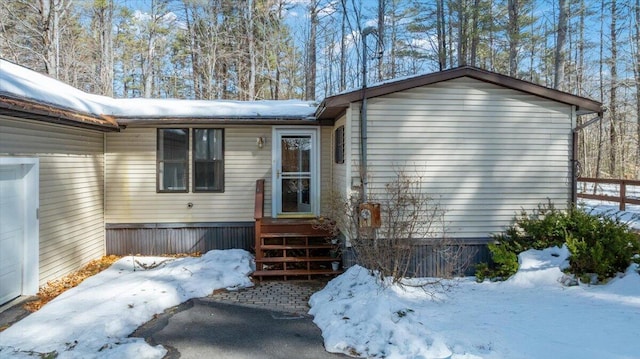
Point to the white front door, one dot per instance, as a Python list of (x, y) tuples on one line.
[(12, 211), (295, 173)]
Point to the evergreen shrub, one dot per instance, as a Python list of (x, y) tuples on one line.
[(598, 243)]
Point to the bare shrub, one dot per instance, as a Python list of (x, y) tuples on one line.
[(409, 217)]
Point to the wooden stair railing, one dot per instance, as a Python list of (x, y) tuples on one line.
[(258, 215)]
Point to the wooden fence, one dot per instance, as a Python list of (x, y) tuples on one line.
[(592, 192)]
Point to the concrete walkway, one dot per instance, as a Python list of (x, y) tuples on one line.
[(267, 321)]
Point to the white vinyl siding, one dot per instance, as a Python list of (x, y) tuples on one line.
[(485, 152), (131, 180), (71, 190)]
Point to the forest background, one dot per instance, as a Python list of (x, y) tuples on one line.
[(309, 49)]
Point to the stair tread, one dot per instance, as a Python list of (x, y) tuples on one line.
[(282, 235), (296, 259), (296, 246), (281, 272)]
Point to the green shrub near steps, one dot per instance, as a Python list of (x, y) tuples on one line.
[(598, 244)]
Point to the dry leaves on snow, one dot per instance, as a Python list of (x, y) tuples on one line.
[(56, 287)]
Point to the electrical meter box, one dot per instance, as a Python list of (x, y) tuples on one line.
[(369, 215)]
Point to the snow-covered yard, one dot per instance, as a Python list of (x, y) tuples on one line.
[(95, 319), (630, 216), (529, 316)]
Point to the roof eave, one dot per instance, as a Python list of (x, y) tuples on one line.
[(29, 109), (239, 120), (337, 103)]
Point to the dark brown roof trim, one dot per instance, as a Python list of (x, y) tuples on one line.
[(46, 113), (154, 122), (333, 105)]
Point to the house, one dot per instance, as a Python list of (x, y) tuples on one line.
[(83, 175)]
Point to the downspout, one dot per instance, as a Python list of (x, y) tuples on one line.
[(574, 156), (574, 167), (104, 193), (363, 115), (363, 141)]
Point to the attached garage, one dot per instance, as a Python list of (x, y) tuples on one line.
[(18, 227)]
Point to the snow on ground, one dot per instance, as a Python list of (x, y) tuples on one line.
[(530, 316), (631, 216), (95, 318)]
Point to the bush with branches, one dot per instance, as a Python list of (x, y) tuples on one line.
[(598, 244), (409, 216)]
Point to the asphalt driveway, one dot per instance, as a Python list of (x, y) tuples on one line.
[(205, 328)]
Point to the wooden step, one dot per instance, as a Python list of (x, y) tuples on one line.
[(296, 259), (283, 235), (293, 272), (296, 246)]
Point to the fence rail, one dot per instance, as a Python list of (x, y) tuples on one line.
[(622, 199)]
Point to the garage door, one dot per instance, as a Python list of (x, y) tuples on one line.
[(12, 210)]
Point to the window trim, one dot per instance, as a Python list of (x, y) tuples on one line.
[(158, 161), (341, 144), (193, 162)]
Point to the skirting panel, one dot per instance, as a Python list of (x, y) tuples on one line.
[(439, 261), (172, 238)]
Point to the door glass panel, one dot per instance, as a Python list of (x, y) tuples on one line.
[(296, 153), (295, 173), (295, 195)]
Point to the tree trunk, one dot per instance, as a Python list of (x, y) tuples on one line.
[(637, 75), (613, 96), (343, 48), (513, 34), (310, 77), (462, 32), (381, 35), (558, 78), (442, 38), (252, 52), (601, 81), (104, 16), (475, 33), (49, 35)]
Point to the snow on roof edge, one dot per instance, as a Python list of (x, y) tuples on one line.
[(23, 83)]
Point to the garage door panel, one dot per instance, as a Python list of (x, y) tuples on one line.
[(10, 265), (12, 205)]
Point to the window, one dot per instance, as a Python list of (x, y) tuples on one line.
[(173, 160), (208, 160), (339, 143)]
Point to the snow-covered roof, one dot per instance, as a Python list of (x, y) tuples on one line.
[(17, 82), (159, 108)]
